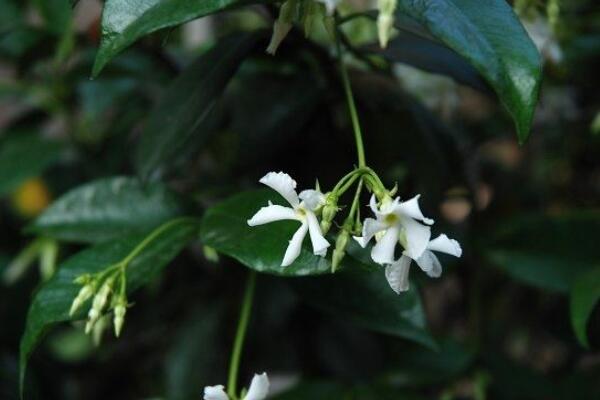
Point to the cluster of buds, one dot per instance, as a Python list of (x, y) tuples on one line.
[(107, 291), (303, 13)]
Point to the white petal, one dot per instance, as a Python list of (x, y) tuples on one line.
[(319, 243), (411, 209), (397, 274), (443, 244), (373, 204), (383, 251), (417, 237), (215, 393), (293, 250), (430, 264), (271, 213), (385, 209), (283, 184), (370, 228), (259, 387), (312, 198)]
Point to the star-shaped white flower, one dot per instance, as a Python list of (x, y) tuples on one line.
[(302, 209), (259, 389), (397, 222), (397, 273)]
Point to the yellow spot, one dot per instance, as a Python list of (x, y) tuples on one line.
[(31, 198), (391, 219)]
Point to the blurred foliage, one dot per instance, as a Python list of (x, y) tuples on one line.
[(192, 114)]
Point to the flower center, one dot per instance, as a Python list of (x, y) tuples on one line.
[(301, 212), (391, 219)]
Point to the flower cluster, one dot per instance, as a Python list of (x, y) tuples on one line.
[(403, 223), (107, 291), (258, 390), (396, 223)]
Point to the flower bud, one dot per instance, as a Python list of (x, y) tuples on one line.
[(100, 300), (84, 293), (385, 20), (340, 249), (329, 211), (282, 26), (119, 319)]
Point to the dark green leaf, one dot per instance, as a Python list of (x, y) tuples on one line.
[(433, 57), (125, 21), (185, 108), (225, 228), (585, 294), (547, 251), (489, 35), (330, 390), (24, 156), (106, 209), (52, 302), (359, 294), (11, 15), (192, 357), (420, 366), (364, 297)]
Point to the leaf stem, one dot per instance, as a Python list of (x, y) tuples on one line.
[(240, 335), (351, 105)]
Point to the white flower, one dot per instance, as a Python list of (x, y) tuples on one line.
[(397, 273), (396, 222), (259, 388), (302, 210)]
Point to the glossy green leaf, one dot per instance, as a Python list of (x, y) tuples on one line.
[(52, 302), (433, 57), (585, 294), (488, 34), (225, 228), (125, 21), (547, 251), (24, 156), (185, 108), (359, 294), (364, 297), (106, 209)]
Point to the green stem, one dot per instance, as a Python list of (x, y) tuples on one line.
[(240, 335), (351, 105), (148, 239)]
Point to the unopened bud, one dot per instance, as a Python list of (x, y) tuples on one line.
[(100, 300), (84, 293), (553, 13), (210, 254), (340, 249), (119, 319), (98, 329), (329, 211), (282, 26), (385, 20)]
